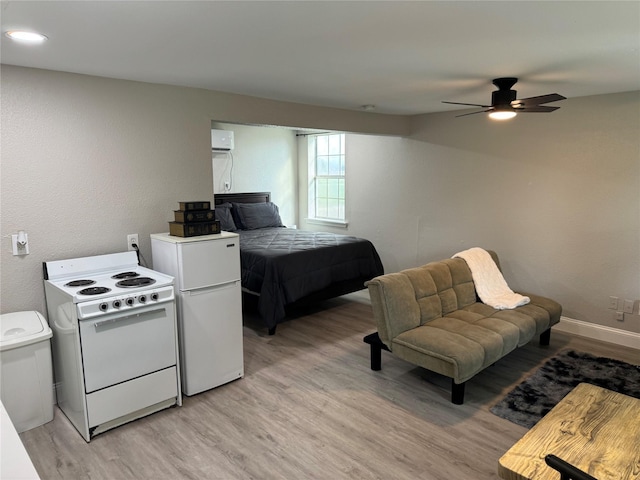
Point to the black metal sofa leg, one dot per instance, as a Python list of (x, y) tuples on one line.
[(457, 392), (545, 337), (376, 357), (376, 350), (457, 389)]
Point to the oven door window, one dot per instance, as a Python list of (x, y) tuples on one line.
[(127, 345)]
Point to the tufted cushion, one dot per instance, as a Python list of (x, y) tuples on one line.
[(430, 316)]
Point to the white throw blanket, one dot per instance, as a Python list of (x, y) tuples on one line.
[(490, 284)]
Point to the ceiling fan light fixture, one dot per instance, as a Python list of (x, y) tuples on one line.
[(502, 114), (504, 104)]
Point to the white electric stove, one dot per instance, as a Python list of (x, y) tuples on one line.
[(115, 344)]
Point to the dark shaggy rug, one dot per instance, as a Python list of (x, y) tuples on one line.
[(537, 395)]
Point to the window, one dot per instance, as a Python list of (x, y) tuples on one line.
[(327, 177)]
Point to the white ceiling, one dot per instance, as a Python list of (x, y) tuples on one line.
[(403, 57)]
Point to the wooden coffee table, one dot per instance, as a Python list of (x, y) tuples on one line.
[(592, 428)]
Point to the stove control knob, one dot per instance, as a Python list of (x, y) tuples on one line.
[(116, 303), (142, 299), (129, 301), (103, 307), (154, 297)]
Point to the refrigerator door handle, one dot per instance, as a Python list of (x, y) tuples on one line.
[(205, 290)]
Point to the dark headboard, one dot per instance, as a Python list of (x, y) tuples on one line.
[(253, 197)]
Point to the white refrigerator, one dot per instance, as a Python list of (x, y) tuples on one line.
[(209, 304)]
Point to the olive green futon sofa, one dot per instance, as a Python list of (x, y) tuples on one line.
[(431, 316)]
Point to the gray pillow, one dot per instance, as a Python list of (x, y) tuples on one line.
[(258, 215), (223, 213)]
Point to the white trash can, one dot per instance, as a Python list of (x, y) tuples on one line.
[(27, 374)]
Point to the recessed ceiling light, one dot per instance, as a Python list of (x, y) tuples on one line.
[(27, 37)]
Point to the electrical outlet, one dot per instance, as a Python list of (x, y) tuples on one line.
[(20, 243), (613, 303), (132, 239), (620, 316), (628, 306)]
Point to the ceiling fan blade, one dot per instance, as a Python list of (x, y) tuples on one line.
[(532, 101), (468, 104), (536, 108), (473, 113)]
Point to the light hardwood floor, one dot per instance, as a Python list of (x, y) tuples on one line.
[(309, 407)]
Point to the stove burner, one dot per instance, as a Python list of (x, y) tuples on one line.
[(122, 275), (135, 282), (94, 290), (80, 283)]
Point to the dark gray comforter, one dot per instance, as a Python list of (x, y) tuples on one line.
[(283, 265)]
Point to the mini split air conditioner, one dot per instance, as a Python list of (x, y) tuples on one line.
[(221, 141)]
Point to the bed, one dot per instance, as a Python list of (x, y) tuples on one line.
[(285, 267)]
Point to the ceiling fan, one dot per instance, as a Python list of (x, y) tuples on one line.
[(504, 104)]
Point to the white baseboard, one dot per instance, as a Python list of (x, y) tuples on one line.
[(598, 332)]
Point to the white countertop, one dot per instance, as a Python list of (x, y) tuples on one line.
[(166, 237), (15, 463)]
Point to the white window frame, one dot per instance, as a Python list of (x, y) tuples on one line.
[(313, 156)]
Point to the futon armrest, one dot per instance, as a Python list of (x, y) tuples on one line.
[(394, 305)]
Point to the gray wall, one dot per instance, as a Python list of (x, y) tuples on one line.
[(557, 196), (86, 160), (264, 159)]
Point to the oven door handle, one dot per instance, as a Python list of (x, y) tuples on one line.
[(139, 316)]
